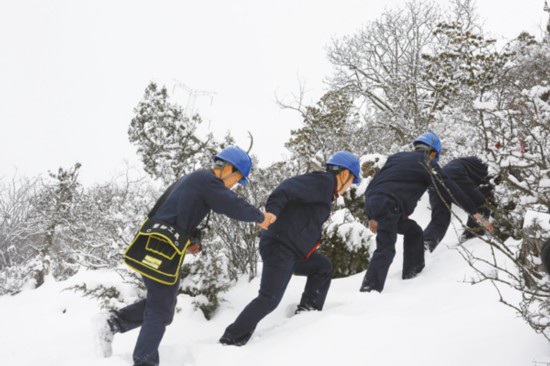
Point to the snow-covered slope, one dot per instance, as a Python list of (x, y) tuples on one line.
[(434, 319)]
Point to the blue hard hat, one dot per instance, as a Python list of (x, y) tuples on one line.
[(430, 139), (237, 157), (346, 160)]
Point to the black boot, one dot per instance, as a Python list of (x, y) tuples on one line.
[(430, 245), (228, 340), (303, 308), (367, 287), (412, 273)]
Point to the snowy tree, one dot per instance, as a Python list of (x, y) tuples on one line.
[(18, 220), (20, 225), (166, 138), (58, 205), (415, 69), (53, 227), (463, 71), (381, 66), (112, 212), (329, 126), (44, 219), (169, 146), (502, 100)]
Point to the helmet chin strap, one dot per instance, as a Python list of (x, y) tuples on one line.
[(220, 170), (228, 176), (350, 177)]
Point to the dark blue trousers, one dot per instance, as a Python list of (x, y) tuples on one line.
[(441, 215), (385, 211), (440, 221), (153, 315), (279, 264)]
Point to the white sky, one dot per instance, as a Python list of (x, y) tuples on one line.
[(71, 72)]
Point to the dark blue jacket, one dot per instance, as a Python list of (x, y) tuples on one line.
[(406, 177), (469, 169), (469, 173), (302, 204), (195, 194)]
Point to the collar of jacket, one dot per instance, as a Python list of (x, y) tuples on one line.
[(335, 193)]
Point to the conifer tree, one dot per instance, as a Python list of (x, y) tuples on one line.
[(58, 204), (329, 126), (166, 138)]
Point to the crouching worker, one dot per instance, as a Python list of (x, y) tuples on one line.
[(302, 204), (471, 175), (391, 198), (178, 212)]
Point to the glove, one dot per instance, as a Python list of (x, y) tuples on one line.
[(195, 239)]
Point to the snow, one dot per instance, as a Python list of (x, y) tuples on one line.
[(536, 91), (537, 218), (436, 318), (487, 106), (353, 232)]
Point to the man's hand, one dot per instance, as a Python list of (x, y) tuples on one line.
[(194, 248), (483, 221), (373, 225), (269, 219)]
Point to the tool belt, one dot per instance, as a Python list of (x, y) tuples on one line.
[(157, 251)]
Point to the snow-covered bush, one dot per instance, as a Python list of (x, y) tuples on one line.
[(346, 241), (206, 278), (55, 226), (18, 220)]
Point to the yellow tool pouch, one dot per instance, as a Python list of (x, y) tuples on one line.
[(157, 251)]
